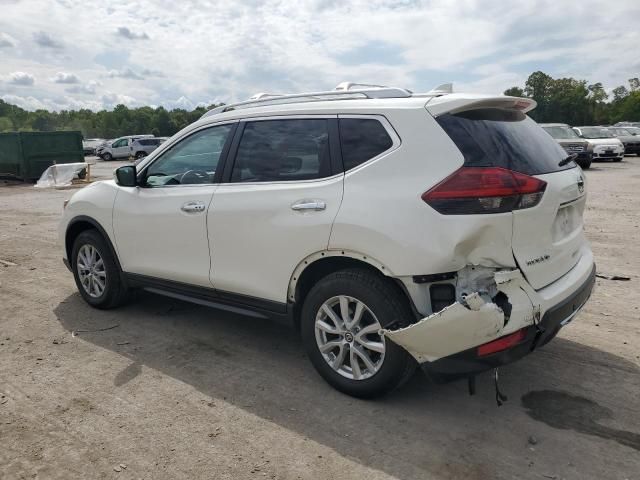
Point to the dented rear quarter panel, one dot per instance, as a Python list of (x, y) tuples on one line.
[(383, 215)]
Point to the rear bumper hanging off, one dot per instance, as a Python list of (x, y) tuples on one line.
[(462, 329)]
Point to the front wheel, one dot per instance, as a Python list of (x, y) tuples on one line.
[(617, 159), (340, 323), (96, 272), (107, 157)]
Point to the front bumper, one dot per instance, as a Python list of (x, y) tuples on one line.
[(608, 152), (467, 363)]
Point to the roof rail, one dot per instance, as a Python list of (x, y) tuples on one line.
[(343, 91)]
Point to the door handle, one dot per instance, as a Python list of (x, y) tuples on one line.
[(193, 207), (315, 205)]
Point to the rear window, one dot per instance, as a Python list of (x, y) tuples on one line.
[(362, 139), (504, 138)]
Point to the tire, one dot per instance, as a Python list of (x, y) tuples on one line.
[(585, 164), (114, 292), (617, 159), (107, 157), (140, 155), (384, 304), (82, 174)]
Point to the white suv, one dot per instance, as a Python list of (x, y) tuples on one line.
[(393, 229), (119, 148)]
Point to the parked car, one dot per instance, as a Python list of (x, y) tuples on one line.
[(393, 229), (89, 145), (119, 148), (628, 137), (142, 147), (605, 145), (571, 142), (627, 124)]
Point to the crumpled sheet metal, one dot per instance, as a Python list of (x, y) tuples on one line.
[(459, 327)]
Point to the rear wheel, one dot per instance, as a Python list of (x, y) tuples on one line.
[(140, 155), (340, 323), (96, 272)]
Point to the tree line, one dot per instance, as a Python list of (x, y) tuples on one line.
[(564, 100), (576, 102), (103, 124)]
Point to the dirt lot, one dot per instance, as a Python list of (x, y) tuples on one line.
[(176, 390)]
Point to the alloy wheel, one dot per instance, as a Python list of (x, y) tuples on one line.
[(91, 270), (347, 335)]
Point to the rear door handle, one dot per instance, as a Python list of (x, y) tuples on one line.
[(193, 207), (315, 205)]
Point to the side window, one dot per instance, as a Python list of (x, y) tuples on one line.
[(362, 139), (120, 143), (283, 150), (191, 161)]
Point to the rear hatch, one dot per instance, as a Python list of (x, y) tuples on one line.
[(547, 237)]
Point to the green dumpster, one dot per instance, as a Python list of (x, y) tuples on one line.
[(25, 155)]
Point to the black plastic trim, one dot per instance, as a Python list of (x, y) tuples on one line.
[(467, 363), (335, 150), (97, 226), (230, 158), (209, 295), (434, 277)]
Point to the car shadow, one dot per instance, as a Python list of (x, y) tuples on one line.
[(260, 366)]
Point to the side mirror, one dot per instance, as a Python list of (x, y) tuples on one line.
[(126, 176)]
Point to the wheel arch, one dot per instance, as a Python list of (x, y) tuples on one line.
[(320, 264), (80, 224)]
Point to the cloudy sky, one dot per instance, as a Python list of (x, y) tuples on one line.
[(61, 54)]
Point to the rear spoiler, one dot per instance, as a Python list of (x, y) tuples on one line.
[(455, 103)]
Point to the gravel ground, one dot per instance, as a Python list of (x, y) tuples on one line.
[(175, 390)]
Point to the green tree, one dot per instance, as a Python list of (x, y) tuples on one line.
[(514, 92)]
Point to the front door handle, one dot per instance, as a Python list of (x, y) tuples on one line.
[(193, 207), (315, 205)]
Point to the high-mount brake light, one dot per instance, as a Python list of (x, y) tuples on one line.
[(479, 190)]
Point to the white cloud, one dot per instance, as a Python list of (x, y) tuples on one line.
[(200, 50), (125, 73), (7, 41), (63, 77), (131, 35), (20, 78), (88, 88), (45, 40)]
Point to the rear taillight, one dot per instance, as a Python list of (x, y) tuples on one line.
[(474, 190)]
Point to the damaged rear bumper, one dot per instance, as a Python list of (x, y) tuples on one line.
[(445, 343)]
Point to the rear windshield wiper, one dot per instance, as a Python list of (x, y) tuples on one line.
[(570, 158)]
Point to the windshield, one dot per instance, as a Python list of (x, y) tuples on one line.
[(620, 131), (596, 132), (561, 133)]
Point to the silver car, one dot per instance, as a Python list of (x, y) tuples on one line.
[(142, 147), (629, 138)]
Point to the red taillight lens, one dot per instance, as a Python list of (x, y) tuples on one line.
[(473, 190), (502, 343)]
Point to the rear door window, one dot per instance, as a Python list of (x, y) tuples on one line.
[(504, 138), (283, 150), (362, 139)]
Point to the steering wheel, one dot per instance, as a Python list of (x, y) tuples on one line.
[(194, 176)]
